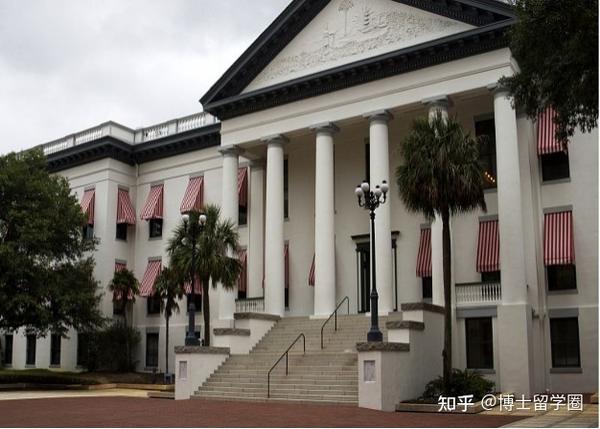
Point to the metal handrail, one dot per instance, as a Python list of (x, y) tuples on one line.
[(285, 353), (334, 315)]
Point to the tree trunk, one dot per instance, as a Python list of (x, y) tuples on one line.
[(447, 353), (166, 343), (206, 311)]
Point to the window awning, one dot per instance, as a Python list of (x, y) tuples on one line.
[(559, 248), (87, 205), (187, 287), (125, 210), (193, 198), (153, 209), (243, 186), (243, 279), (311, 272), (488, 247), (424, 254), (546, 129), (152, 271)]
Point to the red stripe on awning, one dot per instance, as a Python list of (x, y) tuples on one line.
[(194, 195), (311, 272), (152, 271), (153, 209), (243, 186), (286, 259), (559, 248), (546, 131), (87, 205), (488, 247), (187, 287), (243, 279), (424, 254), (125, 210)]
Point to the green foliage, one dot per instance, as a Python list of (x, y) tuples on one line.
[(46, 279), (556, 46), (124, 287), (462, 383), (110, 349), (169, 288), (40, 376)]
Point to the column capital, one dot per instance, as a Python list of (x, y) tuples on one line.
[(436, 101), (275, 139), (378, 115), (325, 127), (498, 90), (233, 150)]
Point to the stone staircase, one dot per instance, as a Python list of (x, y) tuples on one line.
[(329, 375)]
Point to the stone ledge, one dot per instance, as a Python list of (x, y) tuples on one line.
[(425, 306), (232, 331), (405, 324), (201, 350), (381, 346), (258, 316)]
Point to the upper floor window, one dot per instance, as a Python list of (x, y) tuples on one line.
[(553, 156), (122, 231), (155, 228), (485, 131), (555, 166), (490, 277), (243, 196), (561, 277), (286, 193), (153, 305)]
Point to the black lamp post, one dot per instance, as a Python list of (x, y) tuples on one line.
[(373, 198), (190, 337)]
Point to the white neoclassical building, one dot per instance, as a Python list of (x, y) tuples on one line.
[(319, 102)]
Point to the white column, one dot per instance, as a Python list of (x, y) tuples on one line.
[(324, 221), (229, 210), (514, 315), (256, 198), (438, 104), (380, 170), (274, 260)]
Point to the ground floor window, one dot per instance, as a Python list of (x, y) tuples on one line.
[(118, 308), (153, 305), (8, 349), (426, 287), (55, 343), (83, 345), (30, 350), (564, 342), (287, 298), (152, 350), (561, 277), (480, 343)]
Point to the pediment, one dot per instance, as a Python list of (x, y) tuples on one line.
[(346, 31)]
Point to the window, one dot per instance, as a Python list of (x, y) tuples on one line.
[(287, 298), (122, 231), (155, 228), (286, 192), (118, 308), (197, 302), (152, 350), (88, 232), (30, 350), (55, 340), (486, 133), (243, 215), (564, 341), (561, 277), (555, 166), (490, 277), (8, 349), (83, 347), (426, 287), (153, 305), (242, 294), (480, 343)]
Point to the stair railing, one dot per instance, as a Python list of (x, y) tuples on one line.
[(285, 353), (334, 315)]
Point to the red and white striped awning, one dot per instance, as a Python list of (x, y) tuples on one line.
[(546, 129), (243, 279), (87, 205), (120, 266), (194, 195), (153, 269), (153, 209), (559, 248), (311, 272), (243, 186), (286, 259), (424, 254), (488, 247), (125, 210), (187, 287)]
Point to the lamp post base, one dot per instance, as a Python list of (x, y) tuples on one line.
[(192, 341), (374, 336)]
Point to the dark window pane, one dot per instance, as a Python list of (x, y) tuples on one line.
[(480, 343), (153, 305), (367, 162), (490, 277), (242, 294), (564, 340), (486, 133), (561, 277), (555, 166), (243, 215), (83, 345), (156, 228), (287, 298), (152, 350), (88, 232), (30, 350), (118, 308), (55, 343), (286, 196), (8, 349), (427, 291), (122, 231), (197, 302)]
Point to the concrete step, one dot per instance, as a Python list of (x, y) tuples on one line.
[(274, 395), (276, 400), (279, 391), (281, 384)]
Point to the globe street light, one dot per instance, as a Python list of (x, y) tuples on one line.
[(370, 199), (190, 338)]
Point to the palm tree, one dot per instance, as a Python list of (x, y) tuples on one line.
[(215, 260), (441, 176), (124, 287), (168, 288)]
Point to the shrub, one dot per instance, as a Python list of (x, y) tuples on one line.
[(463, 383), (42, 377), (107, 349)]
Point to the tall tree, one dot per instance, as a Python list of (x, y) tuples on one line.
[(168, 288), (46, 277), (442, 176), (556, 46), (215, 255)]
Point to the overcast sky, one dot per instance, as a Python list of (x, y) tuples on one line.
[(66, 65)]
